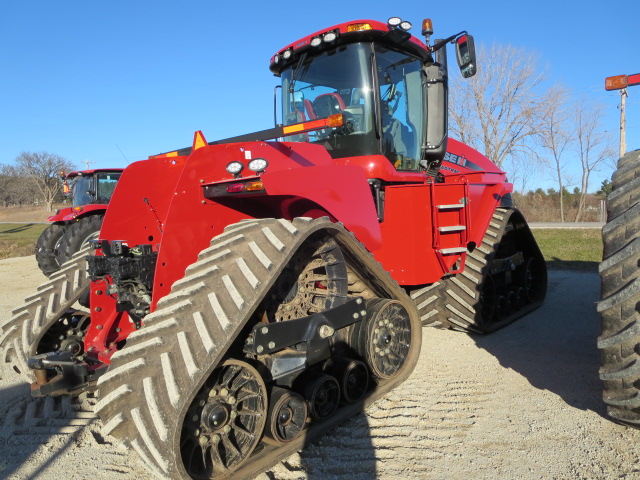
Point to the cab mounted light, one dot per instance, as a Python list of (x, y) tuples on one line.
[(427, 27), (394, 21), (329, 37), (398, 30), (316, 41), (358, 27)]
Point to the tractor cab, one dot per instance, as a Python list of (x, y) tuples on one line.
[(93, 186), (387, 84)]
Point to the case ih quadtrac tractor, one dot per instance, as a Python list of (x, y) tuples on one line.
[(248, 294), (71, 227)]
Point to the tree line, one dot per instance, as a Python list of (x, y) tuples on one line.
[(34, 178)]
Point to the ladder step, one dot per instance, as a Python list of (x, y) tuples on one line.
[(454, 206), (452, 251), (452, 229)]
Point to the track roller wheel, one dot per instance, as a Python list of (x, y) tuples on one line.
[(488, 299), (225, 420), (384, 339), (353, 376), (287, 416), (323, 396), (531, 276)]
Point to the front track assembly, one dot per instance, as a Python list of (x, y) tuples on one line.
[(259, 349), (504, 278)]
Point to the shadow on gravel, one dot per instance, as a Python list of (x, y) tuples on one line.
[(346, 452), (554, 347), (27, 424)]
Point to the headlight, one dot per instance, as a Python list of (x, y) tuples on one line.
[(234, 168), (258, 165)]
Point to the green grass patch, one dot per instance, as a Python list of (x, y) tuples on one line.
[(573, 249), (19, 239)]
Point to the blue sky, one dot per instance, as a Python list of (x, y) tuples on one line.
[(105, 81)]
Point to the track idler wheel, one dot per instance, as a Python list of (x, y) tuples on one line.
[(384, 338), (225, 421), (287, 416), (323, 396)]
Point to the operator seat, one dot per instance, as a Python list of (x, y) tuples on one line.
[(328, 104)]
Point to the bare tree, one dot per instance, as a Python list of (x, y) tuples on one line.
[(15, 189), (43, 170), (554, 136), (498, 110), (593, 146)]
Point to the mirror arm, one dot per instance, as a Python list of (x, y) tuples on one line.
[(441, 43)]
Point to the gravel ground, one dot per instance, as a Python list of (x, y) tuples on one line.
[(521, 403)]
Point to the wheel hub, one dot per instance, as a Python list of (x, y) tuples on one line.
[(216, 416)]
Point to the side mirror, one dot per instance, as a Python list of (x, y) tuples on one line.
[(466, 54)]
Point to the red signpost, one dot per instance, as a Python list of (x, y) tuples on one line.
[(621, 82)]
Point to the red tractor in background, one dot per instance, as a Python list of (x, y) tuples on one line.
[(248, 294), (73, 226)]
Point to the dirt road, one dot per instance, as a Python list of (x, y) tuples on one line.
[(521, 403)]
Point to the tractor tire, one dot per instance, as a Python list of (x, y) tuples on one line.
[(475, 300), (169, 393), (619, 307), (36, 326), (48, 248), (78, 234)]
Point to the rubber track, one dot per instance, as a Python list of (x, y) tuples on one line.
[(20, 335), (150, 383), (427, 301), (619, 307), (461, 292)]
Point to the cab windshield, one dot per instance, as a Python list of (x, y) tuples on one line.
[(83, 190), (97, 188), (383, 113)]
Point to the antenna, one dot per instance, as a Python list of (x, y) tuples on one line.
[(125, 158)]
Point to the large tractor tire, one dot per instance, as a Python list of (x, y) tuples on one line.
[(78, 235), (619, 307), (185, 397), (48, 248), (504, 278)]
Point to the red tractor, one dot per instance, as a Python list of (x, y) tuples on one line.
[(73, 226), (248, 294)]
